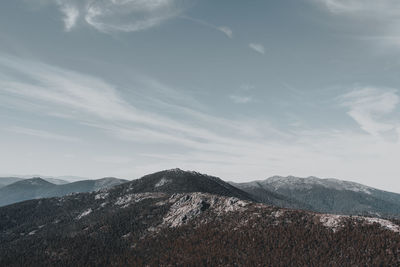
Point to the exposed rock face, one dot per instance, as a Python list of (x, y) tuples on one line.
[(129, 199), (188, 206), (162, 182)]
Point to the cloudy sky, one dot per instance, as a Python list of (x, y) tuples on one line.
[(238, 89)]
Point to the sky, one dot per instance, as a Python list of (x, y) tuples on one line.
[(238, 89)]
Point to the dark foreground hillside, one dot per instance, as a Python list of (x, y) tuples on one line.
[(124, 227)]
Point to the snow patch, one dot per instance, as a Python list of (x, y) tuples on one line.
[(278, 213), (383, 223), (162, 182), (33, 232), (332, 221), (126, 236), (291, 182), (102, 195), (83, 214), (336, 222)]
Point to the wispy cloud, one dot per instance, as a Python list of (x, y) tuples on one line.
[(98, 104), (259, 48), (42, 134), (131, 15), (71, 14), (127, 15), (242, 95), (380, 20), (223, 29), (362, 7), (182, 133), (118, 16), (239, 99), (369, 107), (246, 87), (226, 30)]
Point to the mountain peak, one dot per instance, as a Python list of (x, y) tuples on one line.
[(36, 181), (179, 181), (178, 171), (175, 170)]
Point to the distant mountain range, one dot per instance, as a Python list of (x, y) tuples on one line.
[(25, 189), (183, 218), (8, 180), (314, 194), (324, 195)]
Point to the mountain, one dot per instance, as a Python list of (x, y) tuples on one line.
[(164, 219), (68, 179), (327, 195), (8, 180), (40, 188), (179, 181), (55, 180), (267, 196)]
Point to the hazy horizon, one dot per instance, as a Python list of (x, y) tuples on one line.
[(127, 88), (72, 178)]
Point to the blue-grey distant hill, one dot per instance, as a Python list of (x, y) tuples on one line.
[(326, 195), (26, 189), (4, 181), (8, 180)]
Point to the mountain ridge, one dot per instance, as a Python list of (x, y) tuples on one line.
[(154, 221), (329, 195), (180, 181)]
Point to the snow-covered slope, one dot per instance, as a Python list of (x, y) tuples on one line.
[(328, 195), (291, 182)]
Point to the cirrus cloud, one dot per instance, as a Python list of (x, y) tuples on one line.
[(234, 147), (259, 48), (370, 106), (226, 30), (131, 15), (239, 99), (118, 15), (71, 15), (362, 7), (379, 20)]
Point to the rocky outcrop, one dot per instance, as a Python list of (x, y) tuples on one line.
[(189, 206)]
